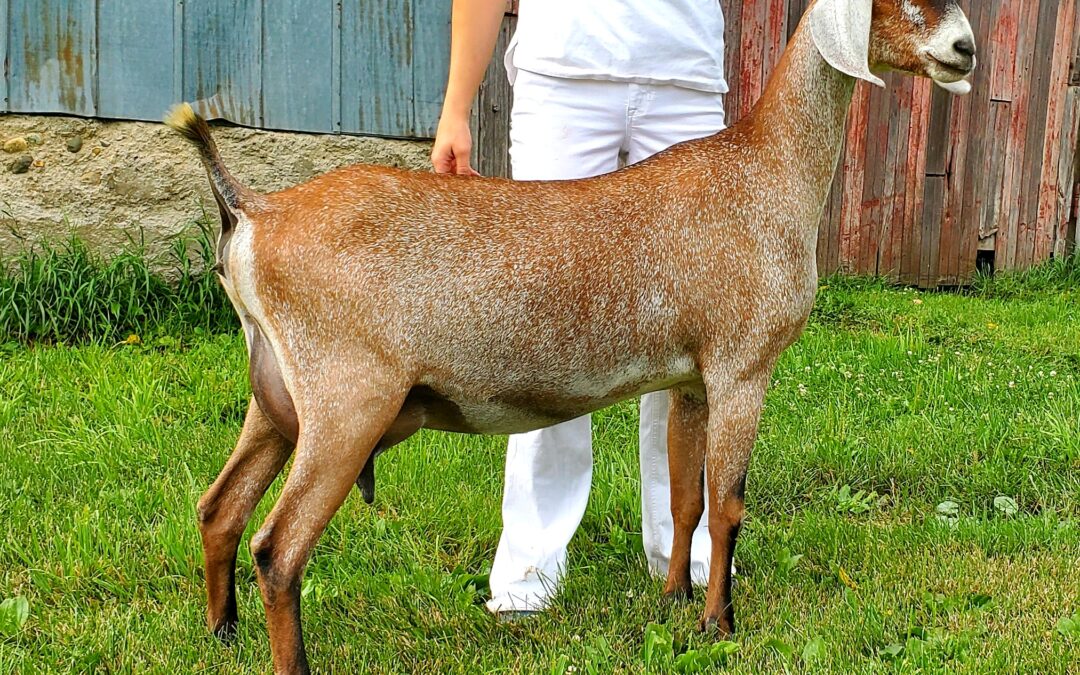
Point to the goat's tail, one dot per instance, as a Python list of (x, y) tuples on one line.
[(229, 193)]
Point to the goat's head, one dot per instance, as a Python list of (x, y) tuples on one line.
[(929, 38)]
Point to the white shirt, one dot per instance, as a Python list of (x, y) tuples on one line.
[(678, 42)]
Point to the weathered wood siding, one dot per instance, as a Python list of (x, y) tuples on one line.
[(927, 180), (927, 185), (338, 66)]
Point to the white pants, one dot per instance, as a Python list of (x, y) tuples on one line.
[(563, 129)]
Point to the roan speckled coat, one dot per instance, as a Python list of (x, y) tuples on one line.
[(377, 301)]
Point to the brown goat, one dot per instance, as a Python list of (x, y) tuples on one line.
[(377, 301)]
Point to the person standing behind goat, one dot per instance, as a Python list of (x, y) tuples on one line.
[(595, 82)]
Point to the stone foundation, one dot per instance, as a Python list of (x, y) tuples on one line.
[(114, 182)]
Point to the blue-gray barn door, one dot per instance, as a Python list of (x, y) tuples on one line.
[(355, 66), (393, 66), (222, 73), (136, 58), (298, 65), (52, 56), (431, 60), (5, 105)]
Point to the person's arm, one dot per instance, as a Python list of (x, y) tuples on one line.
[(473, 32)]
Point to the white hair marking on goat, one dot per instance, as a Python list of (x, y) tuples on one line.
[(913, 13)]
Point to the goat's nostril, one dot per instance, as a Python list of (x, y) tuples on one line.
[(965, 47)]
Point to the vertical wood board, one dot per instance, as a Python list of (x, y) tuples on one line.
[(135, 58), (376, 68), (298, 61), (1051, 189), (431, 63), (223, 59), (5, 103), (491, 121), (52, 56)]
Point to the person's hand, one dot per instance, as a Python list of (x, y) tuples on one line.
[(453, 147)]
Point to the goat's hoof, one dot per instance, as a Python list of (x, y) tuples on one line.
[(679, 596), (225, 630), (721, 628)]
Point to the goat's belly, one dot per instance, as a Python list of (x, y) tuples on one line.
[(496, 418), (531, 406)]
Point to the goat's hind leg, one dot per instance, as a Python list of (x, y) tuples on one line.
[(330, 454), (687, 421), (227, 506)]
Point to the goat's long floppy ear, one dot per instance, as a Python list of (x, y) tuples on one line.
[(841, 32)]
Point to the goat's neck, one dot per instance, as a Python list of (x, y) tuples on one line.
[(802, 115)]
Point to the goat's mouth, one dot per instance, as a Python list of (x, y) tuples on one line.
[(947, 72)]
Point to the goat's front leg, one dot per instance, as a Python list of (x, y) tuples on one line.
[(227, 506), (687, 421), (734, 413), (335, 442)]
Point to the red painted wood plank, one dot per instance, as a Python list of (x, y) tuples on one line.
[(732, 56), (853, 168), (1051, 188), (1030, 188), (953, 214), (1003, 59), (971, 189), (775, 36), (891, 250), (995, 208), (752, 54), (877, 142), (915, 182), (1068, 169), (930, 260), (1009, 254), (828, 253)]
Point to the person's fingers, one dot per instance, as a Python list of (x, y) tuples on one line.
[(463, 168), (452, 150), (442, 158)]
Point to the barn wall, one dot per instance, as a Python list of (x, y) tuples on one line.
[(333, 66), (928, 181), (928, 185)]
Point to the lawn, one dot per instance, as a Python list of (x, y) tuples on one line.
[(913, 500)]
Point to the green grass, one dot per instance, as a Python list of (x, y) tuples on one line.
[(893, 403), (65, 293)]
